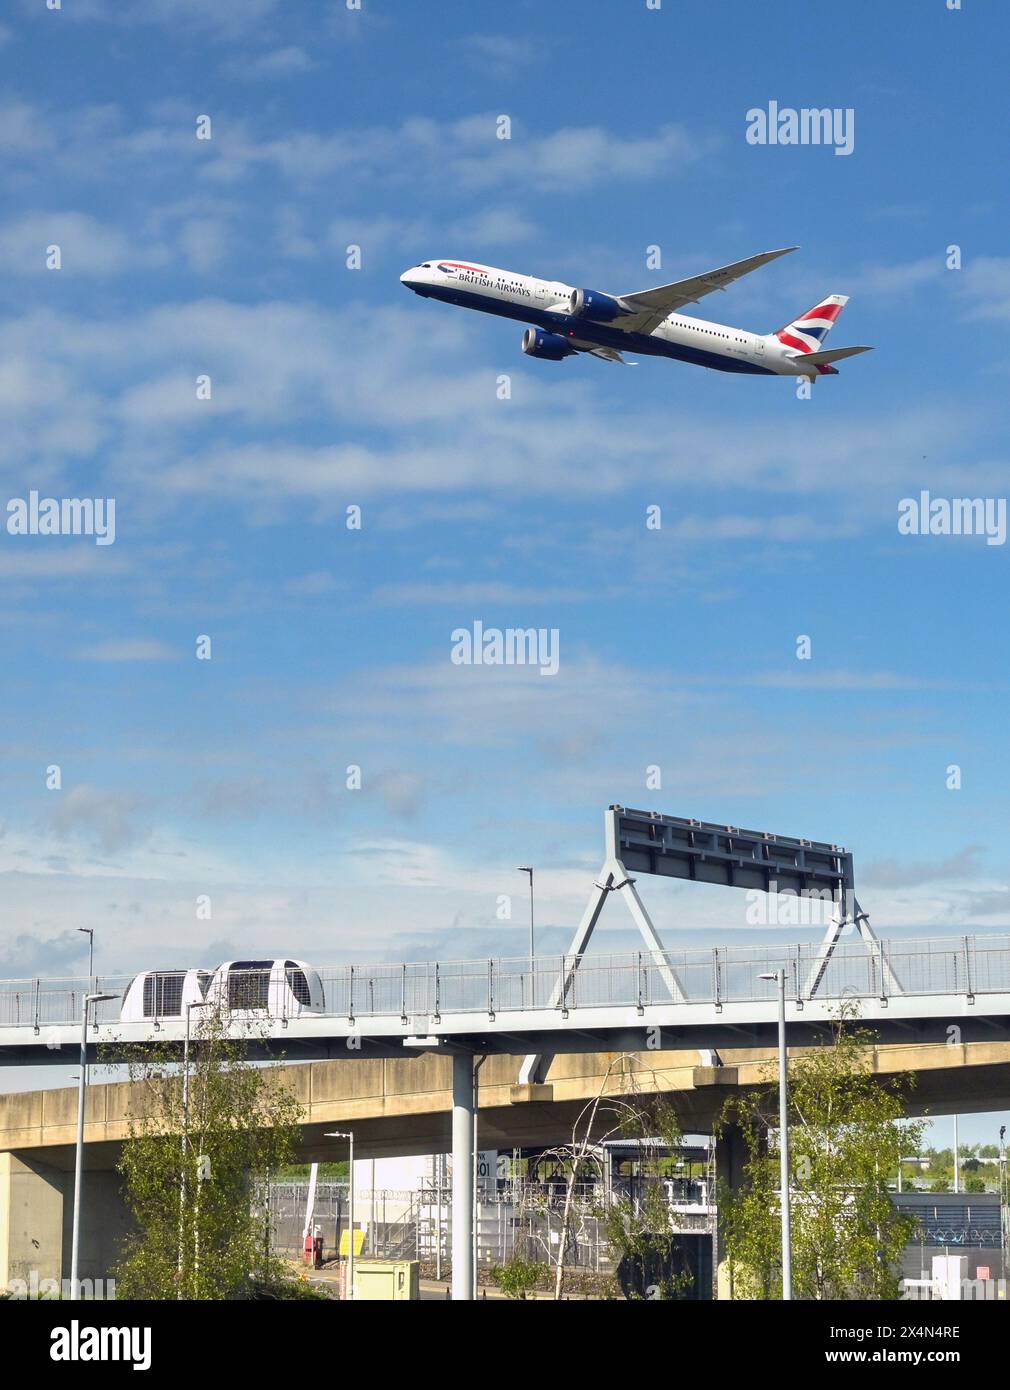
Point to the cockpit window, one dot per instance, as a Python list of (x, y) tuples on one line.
[(426, 266)]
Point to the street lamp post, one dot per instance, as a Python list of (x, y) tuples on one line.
[(787, 1246), (349, 1136), (89, 932), (82, 1081), (528, 869)]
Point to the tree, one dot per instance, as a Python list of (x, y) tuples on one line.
[(846, 1136), (193, 1186)]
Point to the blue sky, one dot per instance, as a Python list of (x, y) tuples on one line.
[(333, 387)]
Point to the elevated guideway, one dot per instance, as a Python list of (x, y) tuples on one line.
[(708, 999)]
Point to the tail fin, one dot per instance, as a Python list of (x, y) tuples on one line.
[(807, 333)]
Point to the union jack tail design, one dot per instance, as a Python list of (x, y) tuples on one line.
[(808, 332)]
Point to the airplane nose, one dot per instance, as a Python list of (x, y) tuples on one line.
[(405, 278)]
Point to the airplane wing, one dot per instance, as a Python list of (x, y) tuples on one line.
[(657, 303)]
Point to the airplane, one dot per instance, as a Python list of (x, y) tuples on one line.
[(568, 320)]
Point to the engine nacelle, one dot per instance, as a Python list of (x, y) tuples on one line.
[(537, 343), (591, 304)]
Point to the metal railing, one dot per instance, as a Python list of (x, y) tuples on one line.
[(425, 992)]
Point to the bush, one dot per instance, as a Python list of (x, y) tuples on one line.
[(519, 1277)]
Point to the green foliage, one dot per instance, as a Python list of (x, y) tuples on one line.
[(192, 1196), (519, 1276), (846, 1135), (638, 1228)]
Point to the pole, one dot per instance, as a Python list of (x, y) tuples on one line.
[(185, 1146), (533, 952), (310, 1201), (787, 1248), (462, 1177), (350, 1238), (82, 1081), (957, 1164), (439, 1172), (75, 1291), (476, 1187), (90, 933), (528, 869)]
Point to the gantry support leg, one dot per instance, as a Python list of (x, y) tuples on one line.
[(614, 878), (889, 981)]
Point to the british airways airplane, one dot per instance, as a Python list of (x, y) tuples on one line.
[(568, 320)]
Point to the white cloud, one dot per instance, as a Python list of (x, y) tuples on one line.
[(223, 19), (985, 285), (87, 246), (24, 131), (500, 54), (112, 820), (128, 649), (71, 561), (467, 150), (288, 61), (204, 243)]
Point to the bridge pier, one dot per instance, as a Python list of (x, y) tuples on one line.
[(31, 1220), (463, 1109), (36, 1219)]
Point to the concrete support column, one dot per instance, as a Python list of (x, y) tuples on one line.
[(462, 1176), (730, 1157), (31, 1221)]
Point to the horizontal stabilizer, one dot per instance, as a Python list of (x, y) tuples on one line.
[(822, 359)]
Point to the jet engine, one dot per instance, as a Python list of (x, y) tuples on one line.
[(591, 304), (537, 343)]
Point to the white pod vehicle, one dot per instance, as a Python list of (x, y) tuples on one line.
[(267, 988), (163, 994)]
